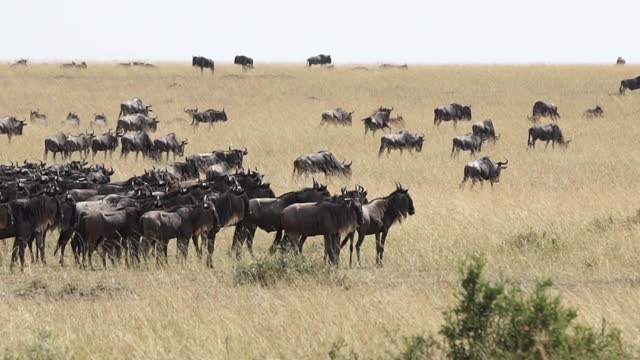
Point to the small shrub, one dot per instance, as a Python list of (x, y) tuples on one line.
[(535, 240), (418, 347), (270, 270), (338, 351), (602, 225)]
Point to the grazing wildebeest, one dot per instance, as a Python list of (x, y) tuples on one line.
[(209, 116), (73, 119), (73, 64), (402, 140), (620, 61), (336, 117), (378, 217), (393, 66), (36, 115), (137, 142), (55, 144), (631, 84), (107, 142), (543, 109), (483, 169), (21, 62), (137, 122), (245, 61), (100, 119), (378, 121), (321, 162), (170, 143), (467, 142), (593, 113), (485, 130), (452, 112), (321, 60), (548, 132), (134, 106), (183, 170), (80, 143), (11, 126), (331, 219), (202, 62)]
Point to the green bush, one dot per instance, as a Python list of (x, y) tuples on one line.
[(272, 269)]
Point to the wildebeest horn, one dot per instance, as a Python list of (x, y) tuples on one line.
[(245, 150), (229, 147), (347, 165)]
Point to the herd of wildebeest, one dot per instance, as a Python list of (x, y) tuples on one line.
[(193, 199)]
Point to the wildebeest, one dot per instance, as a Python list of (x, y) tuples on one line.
[(467, 142), (321, 60), (620, 61), (485, 130), (80, 143), (543, 109), (593, 113), (209, 116), (73, 64), (548, 132), (332, 219), (11, 126), (452, 112), (137, 122), (55, 144), (73, 119), (170, 143), (245, 61), (107, 142), (402, 140), (36, 115), (393, 66), (631, 84), (100, 119), (21, 62), (202, 62), (137, 142), (338, 116), (233, 158), (378, 217), (321, 162), (379, 120), (483, 169), (134, 106)]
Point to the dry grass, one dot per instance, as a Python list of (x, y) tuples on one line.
[(558, 214)]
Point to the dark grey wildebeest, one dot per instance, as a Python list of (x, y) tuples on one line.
[(11, 126), (544, 109), (467, 142), (80, 143), (245, 61), (629, 84), (138, 142), (134, 106), (339, 116), (203, 63), (483, 169), (546, 133), (209, 116), (170, 143), (100, 119), (73, 119), (137, 122), (379, 120), (378, 217), (596, 112), (620, 61), (331, 219), (55, 144), (321, 60), (107, 142), (452, 112), (402, 140), (37, 116), (321, 162), (21, 62), (485, 130)]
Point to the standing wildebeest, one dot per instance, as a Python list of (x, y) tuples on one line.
[(321, 162), (452, 112), (245, 61), (378, 121), (466, 142), (73, 119), (379, 215), (485, 130), (202, 62), (36, 115), (11, 126), (401, 141), (631, 84), (56, 144), (336, 117), (483, 169), (620, 61), (137, 142), (548, 132), (100, 119), (321, 60), (137, 122), (543, 109), (134, 106), (80, 143), (593, 113), (107, 142), (332, 219), (209, 116), (232, 158), (170, 143)]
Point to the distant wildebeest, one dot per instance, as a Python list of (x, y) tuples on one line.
[(36, 115), (11, 126), (170, 143), (73, 64), (378, 217), (21, 62), (137, 122), (593, 113), (543, 109), (202, 62), (467, 142), (138, 142), (134, 106), (245, 61), (107, 142), (73, 119), (393, 66), (321, 60), (338, 116), (142, 64), (452, 112), (631, 84), (620, 61), (485, 130), (209, 116), (100, 119), (548, 132), (402, 140), (321, 162), (483, 169), (379, 120)]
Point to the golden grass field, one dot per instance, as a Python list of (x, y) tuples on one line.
[(567, 215)]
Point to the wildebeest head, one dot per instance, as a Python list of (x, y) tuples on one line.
[(346, 169), (355, 206), (359, 193), (192, 111), (499, 167)]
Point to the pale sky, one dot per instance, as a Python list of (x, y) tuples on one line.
[(400, 31)]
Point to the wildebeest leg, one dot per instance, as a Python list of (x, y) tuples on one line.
[(30, 245), (379, 250), (197, 246), (183, 248), (64, 237), (277, 242), (328, 249), (300, 244), (344, 242), (547, 144), (17, 250), (211, 244), (40, 238), (361, 237)]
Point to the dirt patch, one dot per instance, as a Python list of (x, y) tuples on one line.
[(38, 290)]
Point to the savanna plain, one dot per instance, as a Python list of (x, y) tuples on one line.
[(565, 214)]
